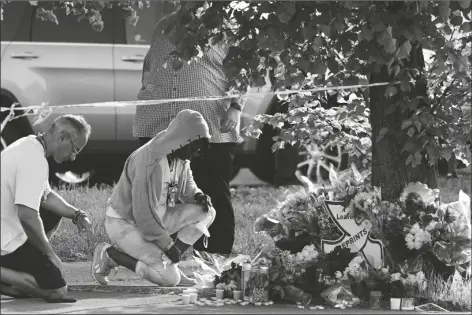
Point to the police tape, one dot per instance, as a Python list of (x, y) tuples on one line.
[(44, 110)]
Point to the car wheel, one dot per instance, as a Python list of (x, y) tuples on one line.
[(315, 160)]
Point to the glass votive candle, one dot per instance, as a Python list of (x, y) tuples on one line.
[(185, 299), (236, 295), (193, 297), (220, 294), (375, 299)]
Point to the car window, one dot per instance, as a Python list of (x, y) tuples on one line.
[(16, 21), (70, 30), (141, 33)]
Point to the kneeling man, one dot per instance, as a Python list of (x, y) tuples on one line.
[(156, 212)]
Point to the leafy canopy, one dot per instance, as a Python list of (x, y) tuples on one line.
[(307, 44)]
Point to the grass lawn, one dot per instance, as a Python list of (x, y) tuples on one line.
[(249, 203)]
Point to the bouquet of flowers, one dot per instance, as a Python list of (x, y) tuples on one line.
[(418, 226)]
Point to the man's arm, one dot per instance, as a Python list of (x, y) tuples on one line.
[(34, 229), (56, 204)]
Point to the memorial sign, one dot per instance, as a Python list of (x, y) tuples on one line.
[(355, 236)]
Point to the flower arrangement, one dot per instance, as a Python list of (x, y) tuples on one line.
[(422, 233)]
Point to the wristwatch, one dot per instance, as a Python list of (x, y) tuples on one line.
[(236, 106)]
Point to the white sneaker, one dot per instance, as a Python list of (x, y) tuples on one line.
[(102, 264)]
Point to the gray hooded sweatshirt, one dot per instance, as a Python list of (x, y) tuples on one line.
[(136, 195)]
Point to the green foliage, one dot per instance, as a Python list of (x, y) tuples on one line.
[(310, 44), (307, 44)]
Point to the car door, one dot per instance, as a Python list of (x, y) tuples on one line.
[(132, 44), (76, 66)]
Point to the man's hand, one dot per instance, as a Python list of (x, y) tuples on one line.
[(204, 200), (56, 261), (174, 254), (231, 120), (85, 226)]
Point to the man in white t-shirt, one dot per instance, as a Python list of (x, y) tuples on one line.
[(31, 211)]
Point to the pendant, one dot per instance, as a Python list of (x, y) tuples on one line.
[(171, 194)]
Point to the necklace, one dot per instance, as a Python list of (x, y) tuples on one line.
[(172, 190), (40, 138)]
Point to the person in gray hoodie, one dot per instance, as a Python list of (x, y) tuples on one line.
[(156, 211)]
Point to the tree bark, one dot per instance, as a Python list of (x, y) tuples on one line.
[(389, 170)]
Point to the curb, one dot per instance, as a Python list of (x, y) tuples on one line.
[(151, 290)]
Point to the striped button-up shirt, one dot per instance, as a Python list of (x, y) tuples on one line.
[(203, 77)]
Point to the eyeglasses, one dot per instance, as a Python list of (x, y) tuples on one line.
[(75, 151)]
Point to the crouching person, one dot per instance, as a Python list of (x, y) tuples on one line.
[(31, 211), (156, 212)]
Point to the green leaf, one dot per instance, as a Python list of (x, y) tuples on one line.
[(456, 113), (285, 11), (417, 124), (411, 132), (405, 86), (464, 3), (326, 29), (342, 116), (465, 27), (366, 33), (406, 124), (360, 109), (333, 65), (456, 20), (318, 44), (409, 159), (404, 51), (417, 159), (444, 10), (390, 91)]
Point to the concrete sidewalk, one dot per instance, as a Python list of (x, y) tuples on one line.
[(127, 294)]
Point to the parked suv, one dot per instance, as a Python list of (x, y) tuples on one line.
[(71, 63)]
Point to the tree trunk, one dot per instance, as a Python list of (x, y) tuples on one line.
[(389, 170)]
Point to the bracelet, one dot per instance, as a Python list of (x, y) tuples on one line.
[(78, 214), (236, 106), (169, 246)]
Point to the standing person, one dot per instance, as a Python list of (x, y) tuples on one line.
[(31, 211), (156, 212), (203, 77)]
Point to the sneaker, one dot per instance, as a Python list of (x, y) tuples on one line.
[(186, 281), (102, 264)]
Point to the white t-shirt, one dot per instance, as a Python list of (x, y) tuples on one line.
[(168, 176), (24, 176)]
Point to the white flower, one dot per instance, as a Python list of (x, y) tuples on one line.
[(415, 228), (410, 241), (418, 244), (431, 226), (426, 194), (357, 259), (395, 276)]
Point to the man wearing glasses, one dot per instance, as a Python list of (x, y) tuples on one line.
[(31, 211)]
